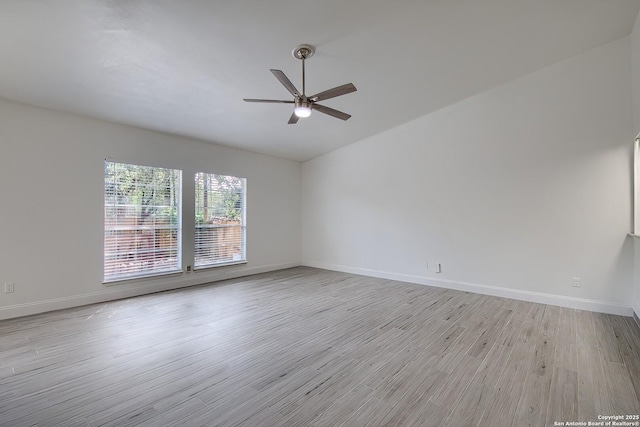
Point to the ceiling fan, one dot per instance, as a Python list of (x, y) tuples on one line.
[(303, 104)]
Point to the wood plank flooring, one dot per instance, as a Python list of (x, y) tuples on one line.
[(309, 347)]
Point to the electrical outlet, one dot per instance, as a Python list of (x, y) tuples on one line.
[(9, 287), (438, 267), (577, 282), (188, 269)]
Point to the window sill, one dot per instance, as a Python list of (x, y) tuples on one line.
[(223, 264)]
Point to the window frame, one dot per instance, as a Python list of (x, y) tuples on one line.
[(242, 226), (177, 229)]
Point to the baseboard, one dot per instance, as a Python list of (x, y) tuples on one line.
[(530, 296), (636, 318), (113, 293)]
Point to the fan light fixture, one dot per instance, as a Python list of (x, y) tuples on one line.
[(303, 108)]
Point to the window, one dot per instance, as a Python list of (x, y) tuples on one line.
[(220, 220), (142, 221)]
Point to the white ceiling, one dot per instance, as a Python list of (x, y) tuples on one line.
[(183, 67)]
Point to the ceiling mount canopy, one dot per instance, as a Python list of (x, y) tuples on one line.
[(303, 104), (304, 51)]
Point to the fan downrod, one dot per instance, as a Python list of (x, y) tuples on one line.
[(304, 51)]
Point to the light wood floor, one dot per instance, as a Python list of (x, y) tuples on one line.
[(308, 347)]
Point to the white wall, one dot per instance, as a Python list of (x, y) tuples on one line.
[(51, 221), (635, 75), (515, 191)]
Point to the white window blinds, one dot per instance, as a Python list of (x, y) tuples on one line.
[(220, 220), (142, 222)]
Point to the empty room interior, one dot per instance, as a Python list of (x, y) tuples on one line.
[(337, 213)]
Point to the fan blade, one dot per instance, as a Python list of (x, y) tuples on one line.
[(332, 93), (330, 111), (286, 82), (293, 119), (272, 101)]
